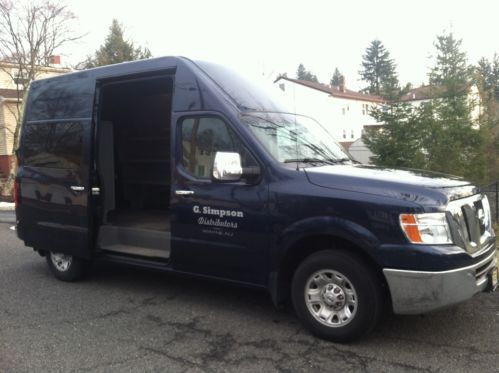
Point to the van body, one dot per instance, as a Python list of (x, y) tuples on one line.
[(183, 166)]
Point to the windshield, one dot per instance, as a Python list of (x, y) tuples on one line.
[(294, 138)]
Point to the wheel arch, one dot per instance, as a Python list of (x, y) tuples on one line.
[(296, 250)]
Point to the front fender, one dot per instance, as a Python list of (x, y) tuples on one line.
[(279, 276), (324, 226)]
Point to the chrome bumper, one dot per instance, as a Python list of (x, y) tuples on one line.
[(416, 292)]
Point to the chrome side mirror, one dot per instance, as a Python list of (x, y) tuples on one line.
[(227, 166)]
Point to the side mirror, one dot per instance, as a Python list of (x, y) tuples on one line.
[(227, 167)]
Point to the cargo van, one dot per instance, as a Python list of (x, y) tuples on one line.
[(186, 167)]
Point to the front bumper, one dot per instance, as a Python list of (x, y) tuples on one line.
[(416, 292)]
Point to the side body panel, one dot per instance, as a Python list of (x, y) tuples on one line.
[(53, 201)]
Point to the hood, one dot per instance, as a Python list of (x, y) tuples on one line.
[(422, 187)]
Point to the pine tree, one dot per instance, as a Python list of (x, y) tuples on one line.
[(402, 140), (304, 74), (379, 72), (438, 135), (116, 49), (451, 68), (457, 145), (486, 78), (335, 79)]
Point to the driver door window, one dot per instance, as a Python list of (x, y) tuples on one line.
[(201, 139)]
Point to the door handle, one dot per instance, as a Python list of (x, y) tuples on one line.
[(77, 188), (184, 192)]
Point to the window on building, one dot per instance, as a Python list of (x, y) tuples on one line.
[(343, 111), (351, 134), (18, 78), (344, 134)]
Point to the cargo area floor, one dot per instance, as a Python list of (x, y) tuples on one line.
[(137, 233), (143, 219)]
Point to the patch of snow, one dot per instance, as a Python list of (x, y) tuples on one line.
[(7, 206)]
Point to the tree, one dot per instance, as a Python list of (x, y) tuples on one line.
[(451, 68), (486, 78), (30, 33), (379, 72), (116, 49), (304, 74), (401, 142), (457, 145), (335, 79), (438, 135)]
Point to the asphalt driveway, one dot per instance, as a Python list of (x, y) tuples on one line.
[(122, 319)]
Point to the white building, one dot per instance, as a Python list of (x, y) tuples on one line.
[(427, 93), (343, 112)]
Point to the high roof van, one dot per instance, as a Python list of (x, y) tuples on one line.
[(184, 166)]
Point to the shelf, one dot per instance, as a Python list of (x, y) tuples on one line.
[(145, 182), (140, 161), (149, 138)]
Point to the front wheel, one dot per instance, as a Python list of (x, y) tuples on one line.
[(67, 267), (336, 295)]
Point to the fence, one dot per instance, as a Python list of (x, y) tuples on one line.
[(492, 192)]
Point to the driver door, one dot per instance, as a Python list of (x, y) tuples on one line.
[(219, 229)]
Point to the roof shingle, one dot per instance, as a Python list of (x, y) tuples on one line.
[(335, 91), (8, 93)]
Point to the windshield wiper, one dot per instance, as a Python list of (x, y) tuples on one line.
[(340, 160), (319, 160), (308, 160)]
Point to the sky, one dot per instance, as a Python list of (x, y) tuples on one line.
[(267, 38)]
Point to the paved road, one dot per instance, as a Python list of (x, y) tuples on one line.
[(122, 319)]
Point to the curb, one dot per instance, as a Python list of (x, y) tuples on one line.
[(7, 217)]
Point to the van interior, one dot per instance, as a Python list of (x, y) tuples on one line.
[(133, 163)]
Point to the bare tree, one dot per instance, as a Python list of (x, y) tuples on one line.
[(30, 32)]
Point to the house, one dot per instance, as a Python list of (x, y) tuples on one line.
[(427, 93), (11, 104), (342, 111)]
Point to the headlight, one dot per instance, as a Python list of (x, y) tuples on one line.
[(487, 218), (431, 228)]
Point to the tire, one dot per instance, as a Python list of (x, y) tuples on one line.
[(337, 296), (67, 267)]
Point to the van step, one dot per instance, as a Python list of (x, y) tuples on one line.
[(135, 241), (137, 250), (151, 263)]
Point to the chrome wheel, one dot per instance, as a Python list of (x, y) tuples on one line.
[(331, 298), (60, 261)]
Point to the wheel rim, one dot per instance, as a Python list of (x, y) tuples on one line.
[(331, 298), (60, 261)]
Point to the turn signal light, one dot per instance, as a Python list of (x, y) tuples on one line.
[(410, 228), (430, 228)]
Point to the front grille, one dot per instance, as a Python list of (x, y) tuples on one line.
[(470, 222), (482, 271)]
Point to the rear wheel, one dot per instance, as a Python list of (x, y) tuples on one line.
[(337, 296), (66, 267)]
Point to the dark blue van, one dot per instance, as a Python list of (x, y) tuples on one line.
[(183, 166)]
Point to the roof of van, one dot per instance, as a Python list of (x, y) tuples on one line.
[(242, 92), (121, 68)]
